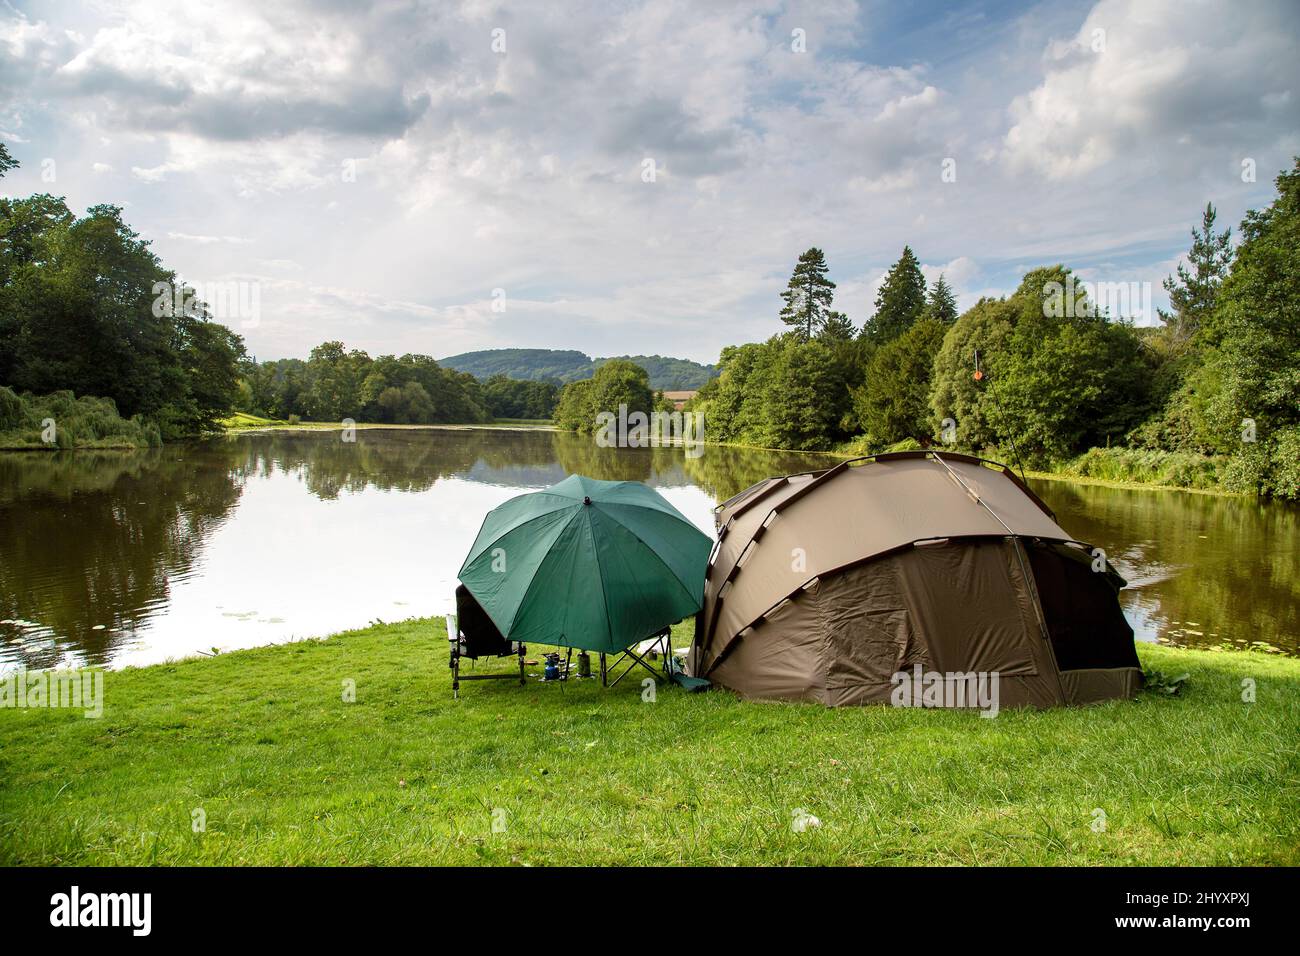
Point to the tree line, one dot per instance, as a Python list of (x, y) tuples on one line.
[(335, 383), (78, 312), (1043, 375)]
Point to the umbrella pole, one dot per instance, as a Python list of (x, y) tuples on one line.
[(603, 673)]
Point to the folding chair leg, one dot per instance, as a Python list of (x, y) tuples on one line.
[(632, 658)]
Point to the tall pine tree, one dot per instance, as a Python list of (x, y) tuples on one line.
[(900, 301), (809, 294), (941, 305), (1193, 293)]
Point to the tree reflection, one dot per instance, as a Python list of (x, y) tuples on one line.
[(89, 541), (726, 470)]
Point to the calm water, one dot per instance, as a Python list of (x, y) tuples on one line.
[(133, 558)]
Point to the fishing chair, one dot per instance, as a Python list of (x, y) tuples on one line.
[(472, 635), (660, 643)]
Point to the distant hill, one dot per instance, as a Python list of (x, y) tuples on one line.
[(567, 365), (529, 364)]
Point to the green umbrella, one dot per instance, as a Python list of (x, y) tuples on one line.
[(597, 565)]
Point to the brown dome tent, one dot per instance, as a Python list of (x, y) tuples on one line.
[(827, 586)]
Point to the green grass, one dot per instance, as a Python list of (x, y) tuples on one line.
[(1147, 466), (288, 773), (238, 420)]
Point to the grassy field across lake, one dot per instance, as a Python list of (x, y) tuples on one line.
[(263, 750)]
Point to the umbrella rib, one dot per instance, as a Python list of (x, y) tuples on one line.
[(604, 596)]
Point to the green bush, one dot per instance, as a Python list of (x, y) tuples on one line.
[(12, 413), (1269, 466), (1286, 463), (86, 422)]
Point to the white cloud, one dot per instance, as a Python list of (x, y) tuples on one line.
[(958, 273), (1207, 74)]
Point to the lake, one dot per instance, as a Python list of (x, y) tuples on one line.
[(131, 558)]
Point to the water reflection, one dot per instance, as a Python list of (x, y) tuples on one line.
[(90, 544), (131, 558), (124, 558), (1202, 569)]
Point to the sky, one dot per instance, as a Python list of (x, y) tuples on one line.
[(639, 178)]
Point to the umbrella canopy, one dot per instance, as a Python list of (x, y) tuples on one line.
[(597, 565)]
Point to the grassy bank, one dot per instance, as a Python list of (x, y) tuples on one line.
[(1166, 469), (243, 421), (287, 772), (60, 422)]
